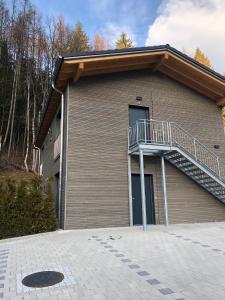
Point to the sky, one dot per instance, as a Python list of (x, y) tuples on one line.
[(105, 16), (184, 24)]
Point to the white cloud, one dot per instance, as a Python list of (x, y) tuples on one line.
[(190, 24), (112, 32)]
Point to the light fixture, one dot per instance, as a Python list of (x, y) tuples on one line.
[(138, 98)]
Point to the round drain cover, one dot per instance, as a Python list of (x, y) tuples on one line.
[(42, 279)]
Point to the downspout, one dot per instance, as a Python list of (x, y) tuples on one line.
[(39, 158), (61, 150)]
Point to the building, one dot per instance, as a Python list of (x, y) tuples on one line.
[(118, 109)]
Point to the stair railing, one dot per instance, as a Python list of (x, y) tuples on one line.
[(171, 134)]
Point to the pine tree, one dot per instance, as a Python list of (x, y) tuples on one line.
[(80, 40), (202, 58), (124, 41)]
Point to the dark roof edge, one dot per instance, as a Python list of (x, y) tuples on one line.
[(114, 52)]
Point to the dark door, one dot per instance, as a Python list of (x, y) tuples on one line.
[(137, 113), (136, 196), (57, 195)]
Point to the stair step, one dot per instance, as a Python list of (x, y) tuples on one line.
[(199, 177), (177, 159), (180, 162), (183, 163), (192, 167), (210, 182), (173, 154), (183, 167), (181, 158), (209, 186), (219, 190), (218, 193), (221, 195), (197, 173)]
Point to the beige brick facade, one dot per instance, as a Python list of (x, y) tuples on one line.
[(97, 181)]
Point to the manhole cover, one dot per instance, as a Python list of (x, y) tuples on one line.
[(42, 279)]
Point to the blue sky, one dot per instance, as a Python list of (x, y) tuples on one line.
[(105, 16)]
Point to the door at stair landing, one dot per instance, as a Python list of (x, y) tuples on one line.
[(136, 200), (137, 113)]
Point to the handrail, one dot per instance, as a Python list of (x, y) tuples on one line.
[(188, 133), (171, 134)]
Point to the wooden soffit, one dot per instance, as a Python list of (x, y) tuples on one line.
[(166, 62)]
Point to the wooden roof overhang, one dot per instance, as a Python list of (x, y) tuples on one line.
[(166, 60)]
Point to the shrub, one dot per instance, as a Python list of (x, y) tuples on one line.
[(25, 208)]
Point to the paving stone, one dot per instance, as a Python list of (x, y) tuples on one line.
[(195, 242), (2, 277), (113, 250), (2, 271), (205, 246), (153, 281), (216, 250), (125, 260), (166, 291), (2, 262), (3, 257), (143, 273), (1, 295), (108, 246), (1, 285), (119, 255), (134, 266), (3, 266)]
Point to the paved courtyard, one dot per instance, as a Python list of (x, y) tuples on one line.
[(178, 262)]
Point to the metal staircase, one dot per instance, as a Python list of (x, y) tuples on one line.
[(182, 150)]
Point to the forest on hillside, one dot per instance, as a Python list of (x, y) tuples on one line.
[(29, 46)]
